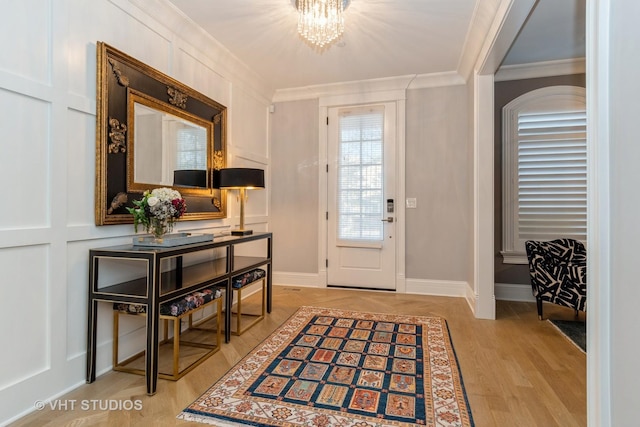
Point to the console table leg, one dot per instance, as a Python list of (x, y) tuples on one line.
[(91, 340), (269, 288), (228, 303), (152, 350)]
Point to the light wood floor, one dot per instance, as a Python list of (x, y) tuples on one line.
[(517, 370)]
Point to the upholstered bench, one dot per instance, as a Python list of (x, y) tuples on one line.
[(174, 310), (237, 284)]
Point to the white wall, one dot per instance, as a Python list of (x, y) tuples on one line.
[(48, 106), (615, 72)]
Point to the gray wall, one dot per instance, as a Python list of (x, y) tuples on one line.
[(294, 193), (505, 92), (437, 174)]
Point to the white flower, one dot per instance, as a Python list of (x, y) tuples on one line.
[(161, 206), (166, 194)]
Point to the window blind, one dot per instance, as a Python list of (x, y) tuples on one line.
[(360, 168), (552, 175)]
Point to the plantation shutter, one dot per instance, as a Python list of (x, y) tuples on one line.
[(552, 175), (544, 165), (360, 179)]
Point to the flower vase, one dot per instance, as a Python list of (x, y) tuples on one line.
[(159, 228)]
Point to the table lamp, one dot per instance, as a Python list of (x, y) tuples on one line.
[(241, 179)]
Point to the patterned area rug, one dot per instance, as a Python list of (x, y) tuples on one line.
[(328, 367)]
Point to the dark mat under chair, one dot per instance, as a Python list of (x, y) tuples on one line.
[(576, 331)]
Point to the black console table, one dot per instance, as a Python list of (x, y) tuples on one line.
[(164, 279)]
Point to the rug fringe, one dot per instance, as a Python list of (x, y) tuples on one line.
[(207, 420)]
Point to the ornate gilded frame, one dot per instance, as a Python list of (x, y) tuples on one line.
[(120, 78)]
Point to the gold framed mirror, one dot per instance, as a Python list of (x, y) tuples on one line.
[(153, 131)]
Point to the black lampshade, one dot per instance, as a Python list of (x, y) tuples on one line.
[(190, 178), (239, 178)]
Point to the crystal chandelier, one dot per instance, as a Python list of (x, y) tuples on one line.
[(321, 21)]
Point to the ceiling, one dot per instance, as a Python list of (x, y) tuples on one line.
[(382, 38)]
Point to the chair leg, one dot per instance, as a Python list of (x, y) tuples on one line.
[(256, 317), (177, 326), (264, 297), (539, 303), (116, 319), (239, 308)]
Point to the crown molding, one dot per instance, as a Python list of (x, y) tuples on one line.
[(449, 78), (561, 67), (186, 35), (413, 81), (343, 88)]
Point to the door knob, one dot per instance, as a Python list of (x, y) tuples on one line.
[(388, 219)]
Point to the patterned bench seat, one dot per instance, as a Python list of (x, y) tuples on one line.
[(176, 307), (237, 283), (174, 310), (247, 278)]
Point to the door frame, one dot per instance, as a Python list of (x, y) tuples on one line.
[(326, 102)]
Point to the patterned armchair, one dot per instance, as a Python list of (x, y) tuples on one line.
[(558, 270)]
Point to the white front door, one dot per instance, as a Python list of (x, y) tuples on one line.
[(361, 196)]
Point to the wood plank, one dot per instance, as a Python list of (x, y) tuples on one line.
[(517, 370)]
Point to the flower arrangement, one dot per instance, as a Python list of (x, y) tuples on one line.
[(158, 210)]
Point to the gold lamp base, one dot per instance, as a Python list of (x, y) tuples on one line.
[(241, 232)]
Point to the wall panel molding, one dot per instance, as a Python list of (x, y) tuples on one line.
[(31, 284), (25, 86)]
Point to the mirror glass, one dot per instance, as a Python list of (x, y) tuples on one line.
[(168, 147), (169, 150)]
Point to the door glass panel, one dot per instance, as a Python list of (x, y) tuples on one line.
[(360, 175)]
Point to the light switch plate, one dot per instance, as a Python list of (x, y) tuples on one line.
[(412, 203)]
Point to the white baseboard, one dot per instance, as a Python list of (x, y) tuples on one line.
[(410, 286), (443, 288), (513, 292), (305, 280), (472, 299)]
